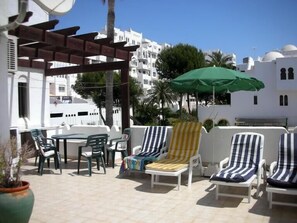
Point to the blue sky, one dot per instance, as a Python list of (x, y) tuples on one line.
[(242, 27)]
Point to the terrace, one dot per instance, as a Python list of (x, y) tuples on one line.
[(129, 198), (109, 198)]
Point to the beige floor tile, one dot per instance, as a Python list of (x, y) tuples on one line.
[(109, 198)]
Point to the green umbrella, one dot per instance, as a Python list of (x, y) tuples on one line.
[(215, 79)]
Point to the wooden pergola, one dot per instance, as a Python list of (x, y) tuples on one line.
[(41, 45)]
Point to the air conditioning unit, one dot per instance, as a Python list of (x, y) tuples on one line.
[(12, 54)]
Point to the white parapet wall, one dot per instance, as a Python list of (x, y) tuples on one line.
[(219, 141), (72, 145), (214, 145)]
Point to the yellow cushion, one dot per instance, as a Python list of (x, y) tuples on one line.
[(183, 145), (184, 141), (167, 165)]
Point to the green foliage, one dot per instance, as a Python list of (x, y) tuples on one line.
[(223, 122), (92, 85), (161, 94), (174, 61), (182, 115), (208, 124), (218, 59), (147, 114), (136, 92)]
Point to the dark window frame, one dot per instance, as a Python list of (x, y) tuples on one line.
[(23, 99)]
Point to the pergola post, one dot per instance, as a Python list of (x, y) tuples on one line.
[(125, 96)]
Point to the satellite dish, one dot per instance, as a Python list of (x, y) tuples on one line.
[(55, 7)]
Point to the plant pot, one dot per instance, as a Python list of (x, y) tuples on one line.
[(16, 204)]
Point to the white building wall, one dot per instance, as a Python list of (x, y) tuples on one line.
[(8, 81), (38, 99), (4, 115), (286, 63), (142, 65), (242, 103)]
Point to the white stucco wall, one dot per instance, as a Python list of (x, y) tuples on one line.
[(219, 141), (4, 114), (38, 99)]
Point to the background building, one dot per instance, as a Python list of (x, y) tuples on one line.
[(65, 103), (277, 69)]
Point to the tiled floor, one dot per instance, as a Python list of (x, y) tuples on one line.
[(109, 198)]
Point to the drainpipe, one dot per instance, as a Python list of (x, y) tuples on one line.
[(19, 19)]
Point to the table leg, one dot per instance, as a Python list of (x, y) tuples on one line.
[(57, 145), (65, 151), (105, 155)]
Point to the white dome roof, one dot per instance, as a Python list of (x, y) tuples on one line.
[(272, 56), (289, 47)]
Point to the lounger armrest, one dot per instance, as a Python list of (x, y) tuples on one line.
[(163, 150), (261, 164), (136, 150), (224, 162), (162, 156), (272, 168), (194, 160)]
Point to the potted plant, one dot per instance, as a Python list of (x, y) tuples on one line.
[(16, 198)]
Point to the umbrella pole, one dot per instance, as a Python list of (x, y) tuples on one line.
[(196, 95), (180, 105), (212, 168), (214, 107)]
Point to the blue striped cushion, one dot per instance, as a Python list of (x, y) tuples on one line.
[(286, 169), (154, 140), (244, 158)]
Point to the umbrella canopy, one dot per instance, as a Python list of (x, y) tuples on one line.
[(218, 79)]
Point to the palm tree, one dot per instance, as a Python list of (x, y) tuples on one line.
[(162, 94), (218, 59), (109, 75)]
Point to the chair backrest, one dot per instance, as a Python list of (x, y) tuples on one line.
[(154, 139), (185, 140), (286, 168), (126, 134), (246, 150), (37, 137), (97, 143)]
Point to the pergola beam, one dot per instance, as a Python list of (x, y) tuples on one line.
[(71, 43), (41, 47), (118, 65)]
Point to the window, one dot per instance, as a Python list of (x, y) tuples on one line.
[(56, 115), (84, 113), (291, 73), (61, 88), (283, 100), (286, 100), (255, 99), (23, 99), (283, 74)]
